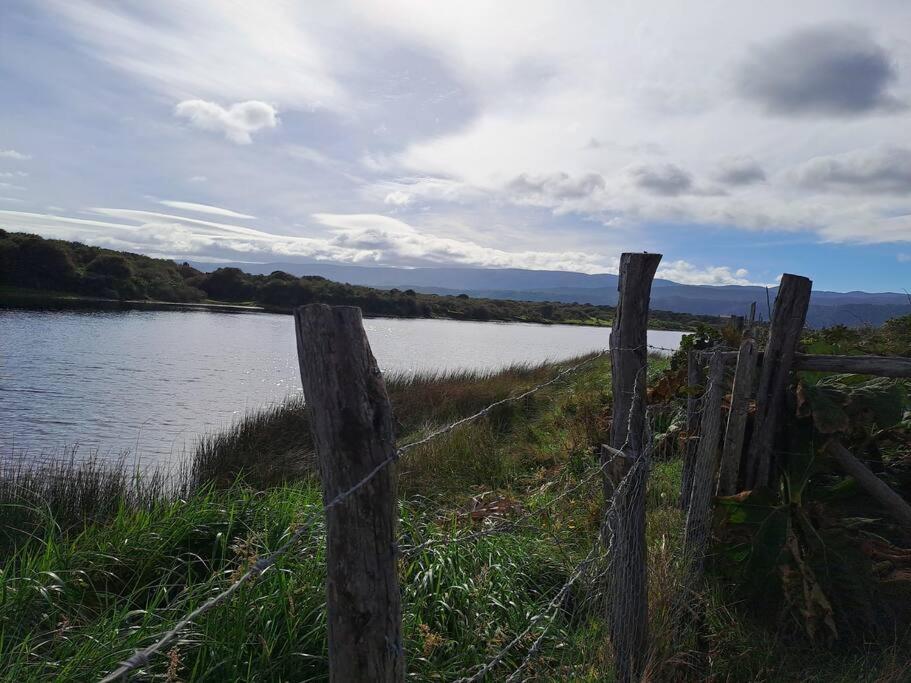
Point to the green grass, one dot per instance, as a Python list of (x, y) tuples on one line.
[(97, 562)]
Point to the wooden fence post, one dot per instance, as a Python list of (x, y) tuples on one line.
[(788, 320), (698, 517), (695, 381), (731, 452), (629, 365), (352, 426)]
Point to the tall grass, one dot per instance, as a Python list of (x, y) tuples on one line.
[(76, 597), (97, 561)]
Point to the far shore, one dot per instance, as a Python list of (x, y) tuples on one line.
[(37, 300)]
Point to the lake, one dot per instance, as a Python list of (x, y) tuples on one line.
[(151, 382)]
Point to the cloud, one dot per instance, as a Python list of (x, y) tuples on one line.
[(666, 180), (13, 154), (688, 274), (204, 208), (392, 241), (198, 179), (11, 186), (215, 50), (885, 170), (12, 174), (352, 238), (428, 188), (236, 123), (739, 171), (825, 70), (398, 198), (555, 186), (903, 258)]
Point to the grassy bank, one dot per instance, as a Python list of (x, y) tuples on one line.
[(96, 563)]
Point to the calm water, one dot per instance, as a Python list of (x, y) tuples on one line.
[(152, 382)]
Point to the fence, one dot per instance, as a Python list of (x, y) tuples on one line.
[(357, 453), (721, 461)]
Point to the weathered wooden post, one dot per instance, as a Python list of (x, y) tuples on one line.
[(894, 504), (698, 517), (788, 320), (731, 452), (628, 590), (695, 381), (352, 426)]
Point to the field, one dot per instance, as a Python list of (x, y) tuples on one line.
[(96, 562)]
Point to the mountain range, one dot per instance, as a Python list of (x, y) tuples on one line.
[(826, 308)]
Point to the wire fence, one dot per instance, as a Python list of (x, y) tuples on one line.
[(599, 553), (142, 656)]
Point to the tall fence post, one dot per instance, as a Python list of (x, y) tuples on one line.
[(629, 364), (696, 532), (352, 426), (788, 319)]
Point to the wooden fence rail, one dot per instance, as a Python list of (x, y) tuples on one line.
[(880, 366)]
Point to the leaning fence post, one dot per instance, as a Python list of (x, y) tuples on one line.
[(731, 452), (695, 380), (352, 426), (788, 319), (628, 597), (696, 532)]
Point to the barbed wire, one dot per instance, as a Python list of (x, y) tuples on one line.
[(484, 411), (550, 608), (141, 657), (554, 602), (512, 524)]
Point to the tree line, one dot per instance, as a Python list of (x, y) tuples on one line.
[(57, 267)]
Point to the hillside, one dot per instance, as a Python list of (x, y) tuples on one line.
[(34, 270), (826, 309)]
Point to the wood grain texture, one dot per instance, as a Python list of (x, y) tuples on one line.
[(698, 517), (629, 364), (741, 392), (695, 384), (352, 426), (788, 319), (894, 504)]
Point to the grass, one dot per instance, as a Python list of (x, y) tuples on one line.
[(98, 561)]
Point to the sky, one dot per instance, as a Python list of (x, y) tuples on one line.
[(740, 140)]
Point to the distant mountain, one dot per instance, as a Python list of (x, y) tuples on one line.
[(453, 278), (826, 308)]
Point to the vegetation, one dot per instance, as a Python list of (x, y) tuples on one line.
[(98, 561), (30, 264)]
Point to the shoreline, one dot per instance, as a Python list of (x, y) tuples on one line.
[(25, 300)]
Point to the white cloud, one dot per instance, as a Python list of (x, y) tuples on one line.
[(13, 174), (393, 241), (689, 274), (204, 208), (351, 238), (398, 198), (217, 50), (13, 154), (236, 123), (10, 200), (903, 258), (198, 179), (11, 186)]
